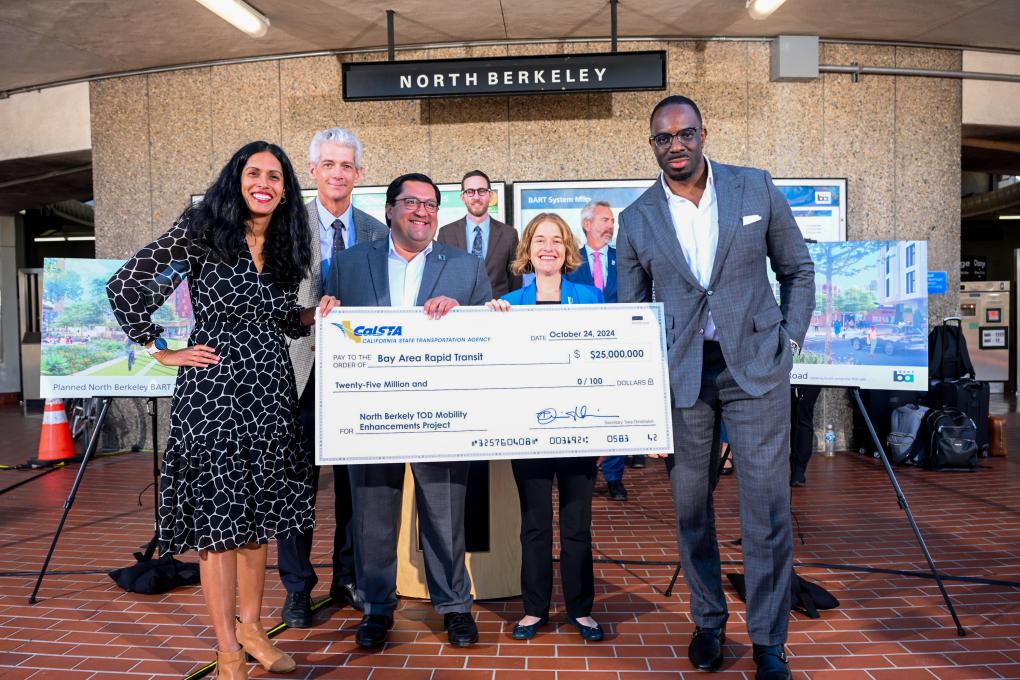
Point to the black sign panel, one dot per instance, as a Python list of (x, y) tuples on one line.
[(562, 73)]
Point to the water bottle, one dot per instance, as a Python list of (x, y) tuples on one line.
[(830, 441)]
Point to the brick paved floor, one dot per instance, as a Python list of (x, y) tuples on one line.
[(890, 625)]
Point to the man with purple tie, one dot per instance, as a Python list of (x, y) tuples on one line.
[(598, 268)]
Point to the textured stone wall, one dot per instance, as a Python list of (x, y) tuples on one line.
[(158, 139)]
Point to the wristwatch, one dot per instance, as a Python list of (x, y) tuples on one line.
[(158, 345), (795, 347)]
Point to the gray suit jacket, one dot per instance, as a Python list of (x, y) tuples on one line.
[(302, 350), (499, 256), (753, 331), (359, 277)]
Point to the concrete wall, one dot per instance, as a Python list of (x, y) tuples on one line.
[(986, 102), (157, 139), (46, 122)]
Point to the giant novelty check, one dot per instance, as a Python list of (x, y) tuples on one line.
[(576, 380)]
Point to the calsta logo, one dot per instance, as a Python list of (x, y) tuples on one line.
[(356, 333), (903, 376)]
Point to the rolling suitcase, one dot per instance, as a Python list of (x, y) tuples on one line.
[(971, 397)]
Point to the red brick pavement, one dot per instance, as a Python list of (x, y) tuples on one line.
[(889, 626)]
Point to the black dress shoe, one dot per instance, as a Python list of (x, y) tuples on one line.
[(297, 610), (373, 629), (461, 629), (637, 462), (617, 492), (589, 633), (527, 632), (346, 593), (705, 650), (771, 662)]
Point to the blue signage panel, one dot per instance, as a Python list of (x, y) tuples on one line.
[(938, 283)]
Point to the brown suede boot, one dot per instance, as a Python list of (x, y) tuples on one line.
[(232, 665), (253, 639)]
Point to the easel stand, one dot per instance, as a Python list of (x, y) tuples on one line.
[(90, 448), (900, 499)]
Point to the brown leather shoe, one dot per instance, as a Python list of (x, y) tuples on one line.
[(232, 665), (254, 640)]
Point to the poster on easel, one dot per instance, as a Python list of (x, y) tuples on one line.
[(869, 328), (84, 350)]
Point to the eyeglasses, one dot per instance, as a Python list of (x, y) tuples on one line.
[(481, 193), (412, 203), (664, 140)]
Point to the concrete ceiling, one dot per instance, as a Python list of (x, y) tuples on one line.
[(44, 41)]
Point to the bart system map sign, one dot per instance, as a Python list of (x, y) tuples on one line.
[(84, 351)]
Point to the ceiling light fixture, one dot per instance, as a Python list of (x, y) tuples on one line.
[(758, 9), (49, 239), (1009, 217), (240, 14), (81, 238)]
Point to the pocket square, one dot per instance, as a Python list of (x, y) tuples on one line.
[(751, 219)]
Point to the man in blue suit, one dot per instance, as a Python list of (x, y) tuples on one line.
[(598, 268), (410, 269)]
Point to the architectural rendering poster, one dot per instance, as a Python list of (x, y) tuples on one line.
[(566, 199), (84, 351), (870, 324)]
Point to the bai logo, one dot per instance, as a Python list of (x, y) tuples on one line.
[(903, 376), (357, 333)]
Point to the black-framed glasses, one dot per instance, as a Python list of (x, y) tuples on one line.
[(664, 140), (412, 203), (471, 193)]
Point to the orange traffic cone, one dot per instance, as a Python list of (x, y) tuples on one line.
[(55, 442)]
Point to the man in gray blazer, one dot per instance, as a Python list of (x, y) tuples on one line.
[(410, 269), (484, 237), (698, 241), (335, 162)]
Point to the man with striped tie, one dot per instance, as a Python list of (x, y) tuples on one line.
[(486, 238)]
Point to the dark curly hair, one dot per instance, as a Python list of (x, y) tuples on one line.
[(218, 221)]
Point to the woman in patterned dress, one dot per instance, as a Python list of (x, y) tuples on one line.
[(233, 475)]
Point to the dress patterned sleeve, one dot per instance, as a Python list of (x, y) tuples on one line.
[(289, 315), (143, 283)]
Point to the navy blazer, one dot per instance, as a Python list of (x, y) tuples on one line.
[(570, 294), (583, 273)]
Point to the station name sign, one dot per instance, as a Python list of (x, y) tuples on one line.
[(555, 74)]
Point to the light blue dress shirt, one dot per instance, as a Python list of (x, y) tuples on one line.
[(326, 233), (469, 230), (405, 277)]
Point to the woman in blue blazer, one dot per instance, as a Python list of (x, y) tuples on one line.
[(548, 248)]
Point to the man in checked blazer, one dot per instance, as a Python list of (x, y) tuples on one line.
[(487, 239), (698, 241), (335, 162), (409, 269)]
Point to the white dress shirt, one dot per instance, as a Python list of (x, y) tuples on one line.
[(405, 276), (697, 229)]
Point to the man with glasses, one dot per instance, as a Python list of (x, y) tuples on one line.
[(702, 236), (484, 237), (335, 162), (409, 269)]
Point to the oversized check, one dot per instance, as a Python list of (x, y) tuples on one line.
[(575, 380)]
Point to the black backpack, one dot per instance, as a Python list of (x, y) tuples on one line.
[(952, 443), (905, 442), (805, 597), (947, 352)]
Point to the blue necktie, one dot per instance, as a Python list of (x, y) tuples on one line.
[(338, 237)]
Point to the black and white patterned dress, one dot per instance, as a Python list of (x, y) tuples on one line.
[(233, 472)]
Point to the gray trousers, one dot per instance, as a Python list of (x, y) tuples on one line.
[(759, 433), (440, 490)]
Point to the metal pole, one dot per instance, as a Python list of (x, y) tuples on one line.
[(391, 49), (612, 23)]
